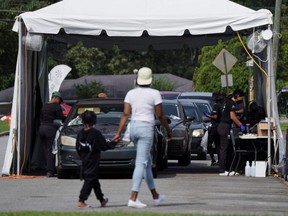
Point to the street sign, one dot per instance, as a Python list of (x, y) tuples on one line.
[(224, 61), (225, 79)]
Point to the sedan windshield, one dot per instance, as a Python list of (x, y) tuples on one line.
[(104, 116), (191, 112), (171, 110)]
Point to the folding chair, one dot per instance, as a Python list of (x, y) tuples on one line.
[(238, 149)]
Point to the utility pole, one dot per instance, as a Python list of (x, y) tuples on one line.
[(277, 15)]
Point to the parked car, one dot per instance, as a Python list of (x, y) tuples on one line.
[(197, 95), (169, 95), (198, 127), (179, 147), (204, 106), (122, 158)]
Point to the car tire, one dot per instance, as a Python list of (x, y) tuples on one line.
[(165, 163), (202, 156), (162, 161), (61, 174), (185, 160), (155, 171)]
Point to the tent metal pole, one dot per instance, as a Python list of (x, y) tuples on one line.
[(19, 96), (269, 103)]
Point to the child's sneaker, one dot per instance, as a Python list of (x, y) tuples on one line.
[(104, 202), (83, 205)]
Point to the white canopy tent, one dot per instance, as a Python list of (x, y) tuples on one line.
[(130, 24)]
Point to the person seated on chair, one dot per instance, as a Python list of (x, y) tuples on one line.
[(255, 114)]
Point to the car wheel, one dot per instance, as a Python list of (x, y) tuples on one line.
[(155, 171), (162, 161), (61, 174), (165, 162), (185, 160), (202, 156)]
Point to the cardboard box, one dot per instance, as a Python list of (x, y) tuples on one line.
[(262, 128)]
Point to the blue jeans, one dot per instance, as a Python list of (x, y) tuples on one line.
[(142, 134)]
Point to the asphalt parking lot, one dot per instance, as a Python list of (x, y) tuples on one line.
[(193, 189)]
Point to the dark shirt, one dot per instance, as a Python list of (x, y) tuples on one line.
[(239, 106), (229, 106), (217, 108), (50, 112), (94, 141), (89, 144)]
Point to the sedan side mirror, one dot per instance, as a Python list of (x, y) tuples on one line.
[(190, 118), (206, 119), (158, 123)]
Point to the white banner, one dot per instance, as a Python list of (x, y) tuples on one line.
[(12, 140), (56, 77)]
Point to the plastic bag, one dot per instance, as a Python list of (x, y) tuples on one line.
[(126, 136), (55, 146), (204, 142)]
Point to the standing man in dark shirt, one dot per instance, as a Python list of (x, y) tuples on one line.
[(228, 116), (215, 115), (47, 130)]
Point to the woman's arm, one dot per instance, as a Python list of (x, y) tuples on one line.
[(160, 115)]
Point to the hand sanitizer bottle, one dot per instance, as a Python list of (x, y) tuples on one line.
[(247, 169), (253, 169)]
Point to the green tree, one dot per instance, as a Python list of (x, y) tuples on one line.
[(89, 90), (163, 84), (269, 4), (85, 61), (282, 70), (9, 39), (208, 78)]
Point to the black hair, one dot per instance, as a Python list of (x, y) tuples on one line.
[(88, 118), (238, 93), (143, 86), (217, 96)]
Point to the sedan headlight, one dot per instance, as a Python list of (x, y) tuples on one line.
[(123, 143), (198, 133), (68, 141)]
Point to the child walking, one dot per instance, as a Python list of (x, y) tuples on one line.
[(89, 144)]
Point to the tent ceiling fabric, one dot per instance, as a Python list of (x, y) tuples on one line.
[(130, 18)]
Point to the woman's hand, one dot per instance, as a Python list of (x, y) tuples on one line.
[(169, 134), (116, 138)]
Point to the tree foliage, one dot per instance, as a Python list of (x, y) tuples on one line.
[(163, 84), (86, 61), (89, 90), (208, 78), (9, 39), (182, 62)]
